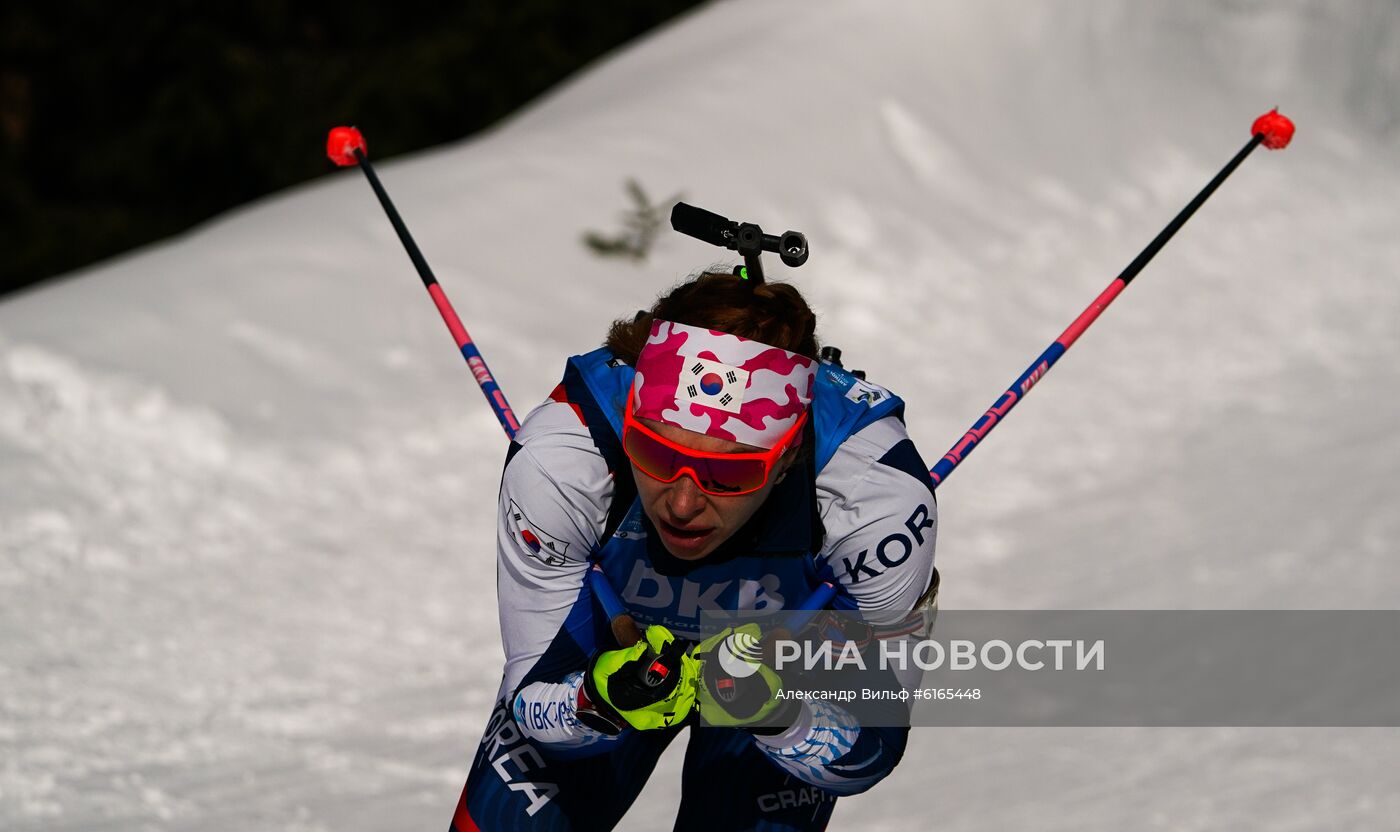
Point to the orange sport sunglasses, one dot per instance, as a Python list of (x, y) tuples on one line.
[(717, 473)]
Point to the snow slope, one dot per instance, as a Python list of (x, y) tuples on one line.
[(246, 578)]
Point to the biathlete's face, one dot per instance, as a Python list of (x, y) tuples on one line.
[(692, 522)]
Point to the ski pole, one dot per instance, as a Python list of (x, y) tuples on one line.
[(345, 146), (607, 596), (1273, 130)]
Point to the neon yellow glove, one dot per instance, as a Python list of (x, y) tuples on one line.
[(737, 687), (647, 686)]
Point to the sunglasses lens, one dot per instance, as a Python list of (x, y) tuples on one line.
[(714, 474), (734, 476), (649, 455)]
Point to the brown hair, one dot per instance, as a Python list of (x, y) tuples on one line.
[(770, 313)]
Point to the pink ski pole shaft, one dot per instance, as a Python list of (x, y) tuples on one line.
[(1274, 131), (346, 147)]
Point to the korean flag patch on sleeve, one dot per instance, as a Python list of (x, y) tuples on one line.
[(713, 384), (542, 546)]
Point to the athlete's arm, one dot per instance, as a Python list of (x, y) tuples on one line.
[(553, 504), (881, 521)]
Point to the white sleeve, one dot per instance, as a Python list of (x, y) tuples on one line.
[(881, 519), (554, 502), (821, 734), (547, 712)]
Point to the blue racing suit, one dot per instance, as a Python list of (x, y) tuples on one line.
[(860, 513)]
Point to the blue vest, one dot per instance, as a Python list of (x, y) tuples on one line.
[(767, 565)]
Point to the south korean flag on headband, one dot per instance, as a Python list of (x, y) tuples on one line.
[(712, 384)]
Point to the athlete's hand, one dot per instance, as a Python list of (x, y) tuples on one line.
[(737, 685), (648, 685)]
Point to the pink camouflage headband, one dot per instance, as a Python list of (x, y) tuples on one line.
[(720, 384)]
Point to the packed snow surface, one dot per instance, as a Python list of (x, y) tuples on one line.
[(247, 486)]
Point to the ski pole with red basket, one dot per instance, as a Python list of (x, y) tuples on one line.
[(1274, 131), (345, 146)]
